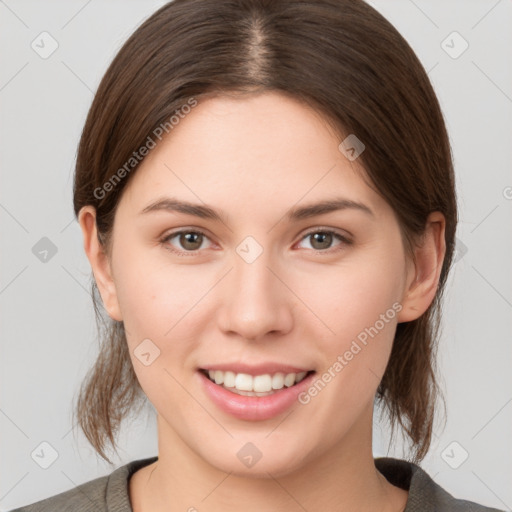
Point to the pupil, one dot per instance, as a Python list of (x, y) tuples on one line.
[(323, 238), (190, 240)]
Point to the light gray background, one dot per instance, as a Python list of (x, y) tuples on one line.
[(47, 329)]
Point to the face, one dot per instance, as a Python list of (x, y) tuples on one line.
[(256, 282)]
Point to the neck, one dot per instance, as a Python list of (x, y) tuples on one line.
[(344, 478)]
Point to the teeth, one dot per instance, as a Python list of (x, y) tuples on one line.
[(278, 381), (229, 379), (259, 383), (243, 382), (262, 383), (289, 380)]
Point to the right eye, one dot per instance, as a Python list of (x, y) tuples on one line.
[(189, 241)]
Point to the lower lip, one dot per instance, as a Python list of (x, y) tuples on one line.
[(254, 408)]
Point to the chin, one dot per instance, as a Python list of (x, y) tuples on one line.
[(258, 459)]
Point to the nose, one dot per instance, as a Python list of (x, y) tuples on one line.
[(256, 303)]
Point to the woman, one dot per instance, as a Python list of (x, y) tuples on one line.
[(266, 195)]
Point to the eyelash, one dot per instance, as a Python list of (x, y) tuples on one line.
[(345, 240)]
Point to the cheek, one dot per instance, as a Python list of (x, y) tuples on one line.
[(354, 294), (358, 303), (155, 295), (169, 305)]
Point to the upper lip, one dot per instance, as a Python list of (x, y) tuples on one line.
[(258, 369)]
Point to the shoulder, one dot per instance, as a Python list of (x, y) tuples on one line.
[(83, 498), (102, 494), (424, 493)]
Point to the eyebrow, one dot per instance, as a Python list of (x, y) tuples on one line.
[(299, 213)]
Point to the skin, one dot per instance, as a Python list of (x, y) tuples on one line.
[(254, 158)]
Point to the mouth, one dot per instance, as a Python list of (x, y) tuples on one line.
[(245, 384), (254, 396)]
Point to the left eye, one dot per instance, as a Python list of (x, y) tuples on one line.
[(322, 240), (188, 240)]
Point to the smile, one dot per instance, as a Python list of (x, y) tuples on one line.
[(254, 397), (254, 385)]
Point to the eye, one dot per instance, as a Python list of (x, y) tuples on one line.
[(188, 240), (322, 240)]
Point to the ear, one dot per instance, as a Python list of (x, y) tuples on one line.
[(423, 274), (99, 261)]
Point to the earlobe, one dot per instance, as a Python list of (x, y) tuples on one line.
[(99, 261), (423, 276)]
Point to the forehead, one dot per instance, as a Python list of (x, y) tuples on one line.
[(242, 151)]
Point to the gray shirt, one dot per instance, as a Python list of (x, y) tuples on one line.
[(110, 493)]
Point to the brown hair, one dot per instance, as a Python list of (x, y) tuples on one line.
[(348, 62)]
